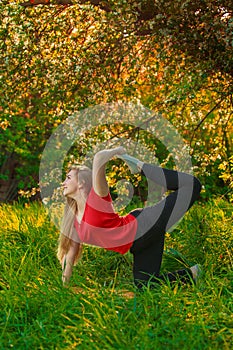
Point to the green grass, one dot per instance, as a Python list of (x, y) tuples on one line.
[(100, 309)]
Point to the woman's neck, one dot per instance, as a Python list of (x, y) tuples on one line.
[(81, 203)]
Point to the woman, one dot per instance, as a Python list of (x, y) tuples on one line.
[(89, 217)]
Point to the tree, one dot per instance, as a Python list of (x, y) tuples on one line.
[(56, 59), (203, 30)]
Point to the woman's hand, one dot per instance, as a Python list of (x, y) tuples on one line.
[(105, 155), (68, 262), (67, 267)]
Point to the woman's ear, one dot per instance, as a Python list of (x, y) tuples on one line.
[(81, 184)]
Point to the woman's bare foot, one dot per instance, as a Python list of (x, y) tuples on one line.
[(133, 163), (196, 272)]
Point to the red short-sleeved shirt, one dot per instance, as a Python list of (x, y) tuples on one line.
[(102, 227)]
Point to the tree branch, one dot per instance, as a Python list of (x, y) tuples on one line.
[(101, 4), (31, 3), (203, 119)]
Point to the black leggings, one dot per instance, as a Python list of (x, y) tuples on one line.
[(154, 221)]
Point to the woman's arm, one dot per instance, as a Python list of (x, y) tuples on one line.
[(101, 158), (68, 261)]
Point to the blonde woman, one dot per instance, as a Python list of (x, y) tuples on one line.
[(89, 217)]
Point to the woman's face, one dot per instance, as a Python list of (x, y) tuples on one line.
[(70, 185)]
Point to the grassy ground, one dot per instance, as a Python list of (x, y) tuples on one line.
[(100, 309)]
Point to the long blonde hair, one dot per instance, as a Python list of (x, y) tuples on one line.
[(84, 176)]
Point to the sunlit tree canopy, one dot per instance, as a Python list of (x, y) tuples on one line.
[(58, 57)]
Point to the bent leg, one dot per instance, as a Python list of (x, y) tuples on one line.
[(147, 257), (183, 276), (154, 221), (164, 214)]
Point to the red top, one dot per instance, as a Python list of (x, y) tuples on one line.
[(102, 227)]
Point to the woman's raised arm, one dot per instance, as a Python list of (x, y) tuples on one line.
[(100, 160)]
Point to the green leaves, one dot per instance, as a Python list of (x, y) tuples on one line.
[(174, 57)]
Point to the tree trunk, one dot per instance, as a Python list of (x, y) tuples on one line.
[(8, 187)]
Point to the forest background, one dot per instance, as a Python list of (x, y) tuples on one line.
[(58, 57)]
